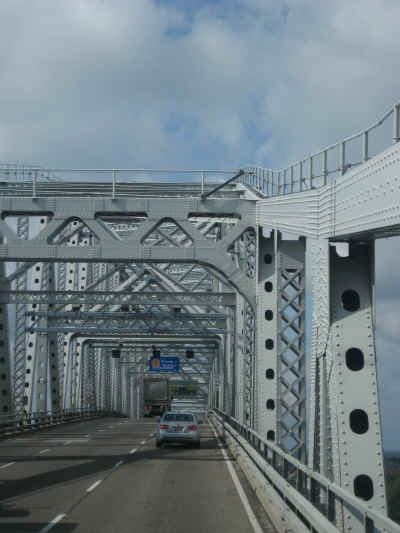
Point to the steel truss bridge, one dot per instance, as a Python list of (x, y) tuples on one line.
[(98, 260)]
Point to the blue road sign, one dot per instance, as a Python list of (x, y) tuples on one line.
[(164, 364)]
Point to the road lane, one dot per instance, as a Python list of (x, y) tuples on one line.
[(37, 487), (169, 490), (114, 481)]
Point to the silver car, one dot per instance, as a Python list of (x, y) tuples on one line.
[(178, 427)]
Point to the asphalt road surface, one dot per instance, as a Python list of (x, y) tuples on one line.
[(106, 476)]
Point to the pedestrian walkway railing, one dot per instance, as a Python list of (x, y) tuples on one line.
[(19, 423), (324, 166), (314, 499)]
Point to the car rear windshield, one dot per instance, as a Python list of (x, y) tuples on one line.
[(178, 418)]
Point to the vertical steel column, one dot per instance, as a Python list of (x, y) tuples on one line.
[(291, 348), (36, 364), (239, 360), (355, 404), (6, 404), (89, 383), (62, 357), (280, 388), (118, 381), (321, 451), (106, 382), (21, 284), (267, 334), (52, 349), (249, 365)]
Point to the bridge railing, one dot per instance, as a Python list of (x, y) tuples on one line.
[(19, 423), (324, 166), (312, 497), (113, 183)]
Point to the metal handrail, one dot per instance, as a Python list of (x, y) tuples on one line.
[(300, 176), (108, 183), (320, 491), (20, 422)]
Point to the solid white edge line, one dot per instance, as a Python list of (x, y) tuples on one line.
[(133, 450), (118, 464), (95, 484), (249, 511), (7, 464), (51, 524)]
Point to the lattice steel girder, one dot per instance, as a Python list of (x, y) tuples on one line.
[(364, 202), (213, 340), (354, 403), (126, 331), (120, 298), (128, 315), (109, 247), (239, 362), (280, 386)]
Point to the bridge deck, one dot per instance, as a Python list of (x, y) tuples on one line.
[(75, 470)]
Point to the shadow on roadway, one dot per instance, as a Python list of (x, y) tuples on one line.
[(14, 488)]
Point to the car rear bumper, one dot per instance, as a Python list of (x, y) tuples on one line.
[(178, 438)]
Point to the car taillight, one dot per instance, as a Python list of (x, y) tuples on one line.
[(163, 426), (192, 428)]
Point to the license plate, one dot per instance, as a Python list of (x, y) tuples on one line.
[(177, 429)]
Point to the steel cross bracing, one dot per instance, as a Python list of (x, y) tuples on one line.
[(130, 266)]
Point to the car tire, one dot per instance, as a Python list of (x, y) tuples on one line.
[(197, 445), (158, 443)]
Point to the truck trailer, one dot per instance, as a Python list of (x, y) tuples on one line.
[(156, 395)]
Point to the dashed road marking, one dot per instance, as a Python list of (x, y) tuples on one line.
[(133, 450), (44, 451), (51, 524), (143, 442), (95, 484), (118, 464), (8, 464)]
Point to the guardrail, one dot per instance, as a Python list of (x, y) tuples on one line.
[(38, 182), (19, 423), (311, 496), (323, 166)]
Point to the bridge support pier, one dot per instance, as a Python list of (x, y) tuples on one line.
[(345, 416)]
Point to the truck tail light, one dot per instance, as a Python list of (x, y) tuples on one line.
[(163, 426)]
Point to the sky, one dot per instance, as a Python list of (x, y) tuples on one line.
[(203, 84)]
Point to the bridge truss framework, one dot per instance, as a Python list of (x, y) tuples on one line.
[(88, 266)]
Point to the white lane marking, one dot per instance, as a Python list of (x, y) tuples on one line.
[(118, 464), (143, 442), (8, 464), (133, 450), (51, 524), (252, 518), (100, 430), (95, 484), (44, 451)]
